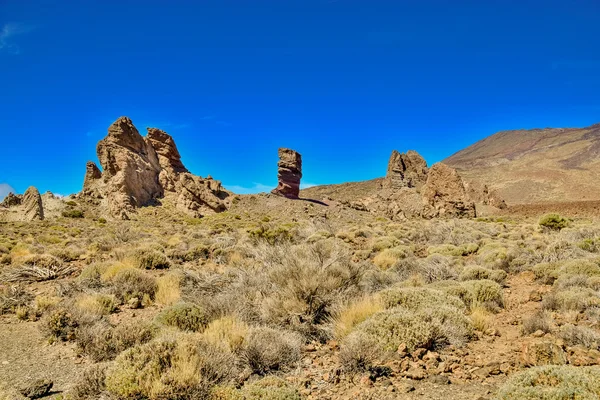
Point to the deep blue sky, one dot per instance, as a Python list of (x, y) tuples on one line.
[(342, 81)]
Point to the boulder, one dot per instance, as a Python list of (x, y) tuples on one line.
[(33, 208), (289, 174), (405, 170), (139, 171), (444, 194), (37, 389), (542, 352)]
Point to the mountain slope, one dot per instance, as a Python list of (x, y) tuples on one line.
[(537, 165)]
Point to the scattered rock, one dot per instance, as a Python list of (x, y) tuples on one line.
[(405, 170), (580, 356), (289, 174), (444, 194), (37, 389), (535, 353)]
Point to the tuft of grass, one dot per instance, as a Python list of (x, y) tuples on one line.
[(540, 321), (475, 272), (481, 319), (485, 293), (389, 257), (97, 303), (91, 384), (129, 283), (227, 331), (150, 259), (168, 289), (354, 313)]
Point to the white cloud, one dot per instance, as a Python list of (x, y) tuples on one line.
[(5, 189), (255, 188), (8, 32)]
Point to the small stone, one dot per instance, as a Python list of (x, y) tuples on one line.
[(37, 389), (134, 303), (539, 333), (416, 374), (439, 379), (406, 388), (419, 353)]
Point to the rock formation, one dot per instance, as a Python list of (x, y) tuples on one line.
[(444, 194), (405, 170), (482, 194), (25, 207), (12, 200), (138, 171), (289, 174)]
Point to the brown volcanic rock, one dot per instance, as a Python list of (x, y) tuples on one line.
[(12, 200), (168, 158), (405, 170), (32, 205), (138, 171), (289, 174), (444, 194), (482, 194)]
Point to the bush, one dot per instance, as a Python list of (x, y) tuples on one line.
[(359, 352), (580, 336), (168, 289), (72, 214), (578, 299), (553, 383), (554, 222), (91, 384), (266, 350), (61, 324), (388, 257), (540, 321), (451, 250), (98, 303), (418, 298), (185, 316), (429, 328), (268, 388), (485, 293), (180, 367), (13, 297), (131, 283), (103, 342), (474, 272), (150, 259)]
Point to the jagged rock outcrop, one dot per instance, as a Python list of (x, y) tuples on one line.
[(482, 194), (33, 208), (289, 174), (444, 194), (405, 170), (12, 200), (138, 171)]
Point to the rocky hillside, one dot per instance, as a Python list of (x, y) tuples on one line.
[(537, 165)]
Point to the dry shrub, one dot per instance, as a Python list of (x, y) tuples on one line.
[(45, 303), (540, 321), (102, 342), (359, 352), (13, 297), (266, 350), (38, 268), (553, 383), (227, 331), (168, 289), (475, 272), (180, 367), (306, 283), (437, 267), (129, 283), (355, 313), (185, 316), (580, 336), (97, 303), (452, 250), (61, 324), (485, 293), (91, 384)]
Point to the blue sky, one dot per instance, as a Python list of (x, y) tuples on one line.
[(342, 81)]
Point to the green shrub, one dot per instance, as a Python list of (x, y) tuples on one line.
[(415, 298), (578, 299), (539, 321), (150, 259), (266, 350), (61, 324), (553, 383), (91, 384), (474, 272), (553, 221), (429, 328), (574, 335), (546, 273), (185, 316), (452, 250), (180, 367), (268, 388), (72, 214), (485, 293)]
